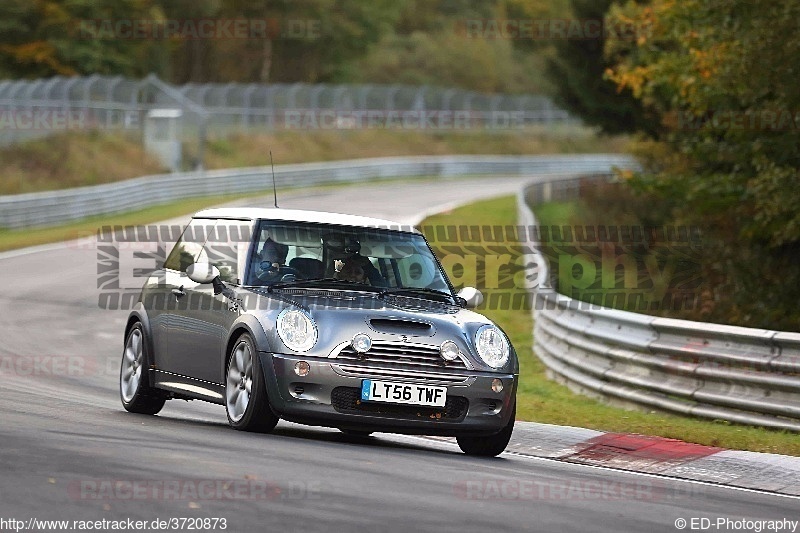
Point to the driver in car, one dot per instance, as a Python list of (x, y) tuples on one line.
[(271, 261)]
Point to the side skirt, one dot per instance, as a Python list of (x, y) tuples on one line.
[(185, 387)]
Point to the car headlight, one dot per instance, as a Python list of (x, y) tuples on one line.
[(492, 346), (297, 330)]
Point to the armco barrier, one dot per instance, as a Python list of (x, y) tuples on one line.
[(52, 207), (743, 375)]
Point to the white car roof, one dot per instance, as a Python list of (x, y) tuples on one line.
[(298, 215)]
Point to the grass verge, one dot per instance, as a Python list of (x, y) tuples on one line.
[(75, 159), (541, 400), (239, 149), (663, 277)]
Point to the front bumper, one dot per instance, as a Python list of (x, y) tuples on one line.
[(329, 396)]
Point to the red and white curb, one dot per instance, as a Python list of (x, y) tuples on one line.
[(658, 456), (661, 456)]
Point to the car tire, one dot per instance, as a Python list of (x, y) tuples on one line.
[(489, 446), (246, 402), (134, 380)]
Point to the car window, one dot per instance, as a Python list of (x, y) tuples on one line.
[(304, 252), (189, 248), (226, 245), (311, 251), (418, 270)]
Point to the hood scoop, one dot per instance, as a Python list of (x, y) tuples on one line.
[(396, 326)]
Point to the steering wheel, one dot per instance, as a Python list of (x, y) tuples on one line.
[(272, 272)]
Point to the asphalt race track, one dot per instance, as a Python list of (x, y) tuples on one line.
[(70, 451)]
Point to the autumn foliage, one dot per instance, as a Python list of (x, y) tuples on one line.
[(721, 78)]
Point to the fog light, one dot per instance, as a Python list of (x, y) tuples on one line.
[(449, 351), (497, 385), (361, 343), (301, 368)]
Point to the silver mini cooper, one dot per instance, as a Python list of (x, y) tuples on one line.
[(322, 319)]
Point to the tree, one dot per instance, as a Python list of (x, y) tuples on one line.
[(44, 38), (305, 40), (578, 70), (721, 79), (433, 44)]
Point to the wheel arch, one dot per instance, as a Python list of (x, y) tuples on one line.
[(245, 324), (138, 314)]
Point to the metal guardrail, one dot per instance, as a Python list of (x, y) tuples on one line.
[(742, 375), (53, 207)]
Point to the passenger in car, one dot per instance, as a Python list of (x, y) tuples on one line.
[(353, 257), (350, 271)]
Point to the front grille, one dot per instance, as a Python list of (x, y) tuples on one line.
[(348, 400), (399, 355)]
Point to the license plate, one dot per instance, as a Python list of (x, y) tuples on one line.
[(403, 393)]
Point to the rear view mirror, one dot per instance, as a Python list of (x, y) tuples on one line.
[(202, 272)]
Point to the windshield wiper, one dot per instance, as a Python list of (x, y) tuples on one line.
[(300, 283), (418, 290)]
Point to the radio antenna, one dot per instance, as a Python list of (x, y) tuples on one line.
[(274, 189)]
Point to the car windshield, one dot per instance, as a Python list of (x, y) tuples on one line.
[(299, 253)]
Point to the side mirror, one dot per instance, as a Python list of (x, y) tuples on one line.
[(471, 296), (202, 272)]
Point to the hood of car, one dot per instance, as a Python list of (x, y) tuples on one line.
[(341, 315)]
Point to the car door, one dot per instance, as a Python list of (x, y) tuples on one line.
[(167, 326), (207, 318)]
